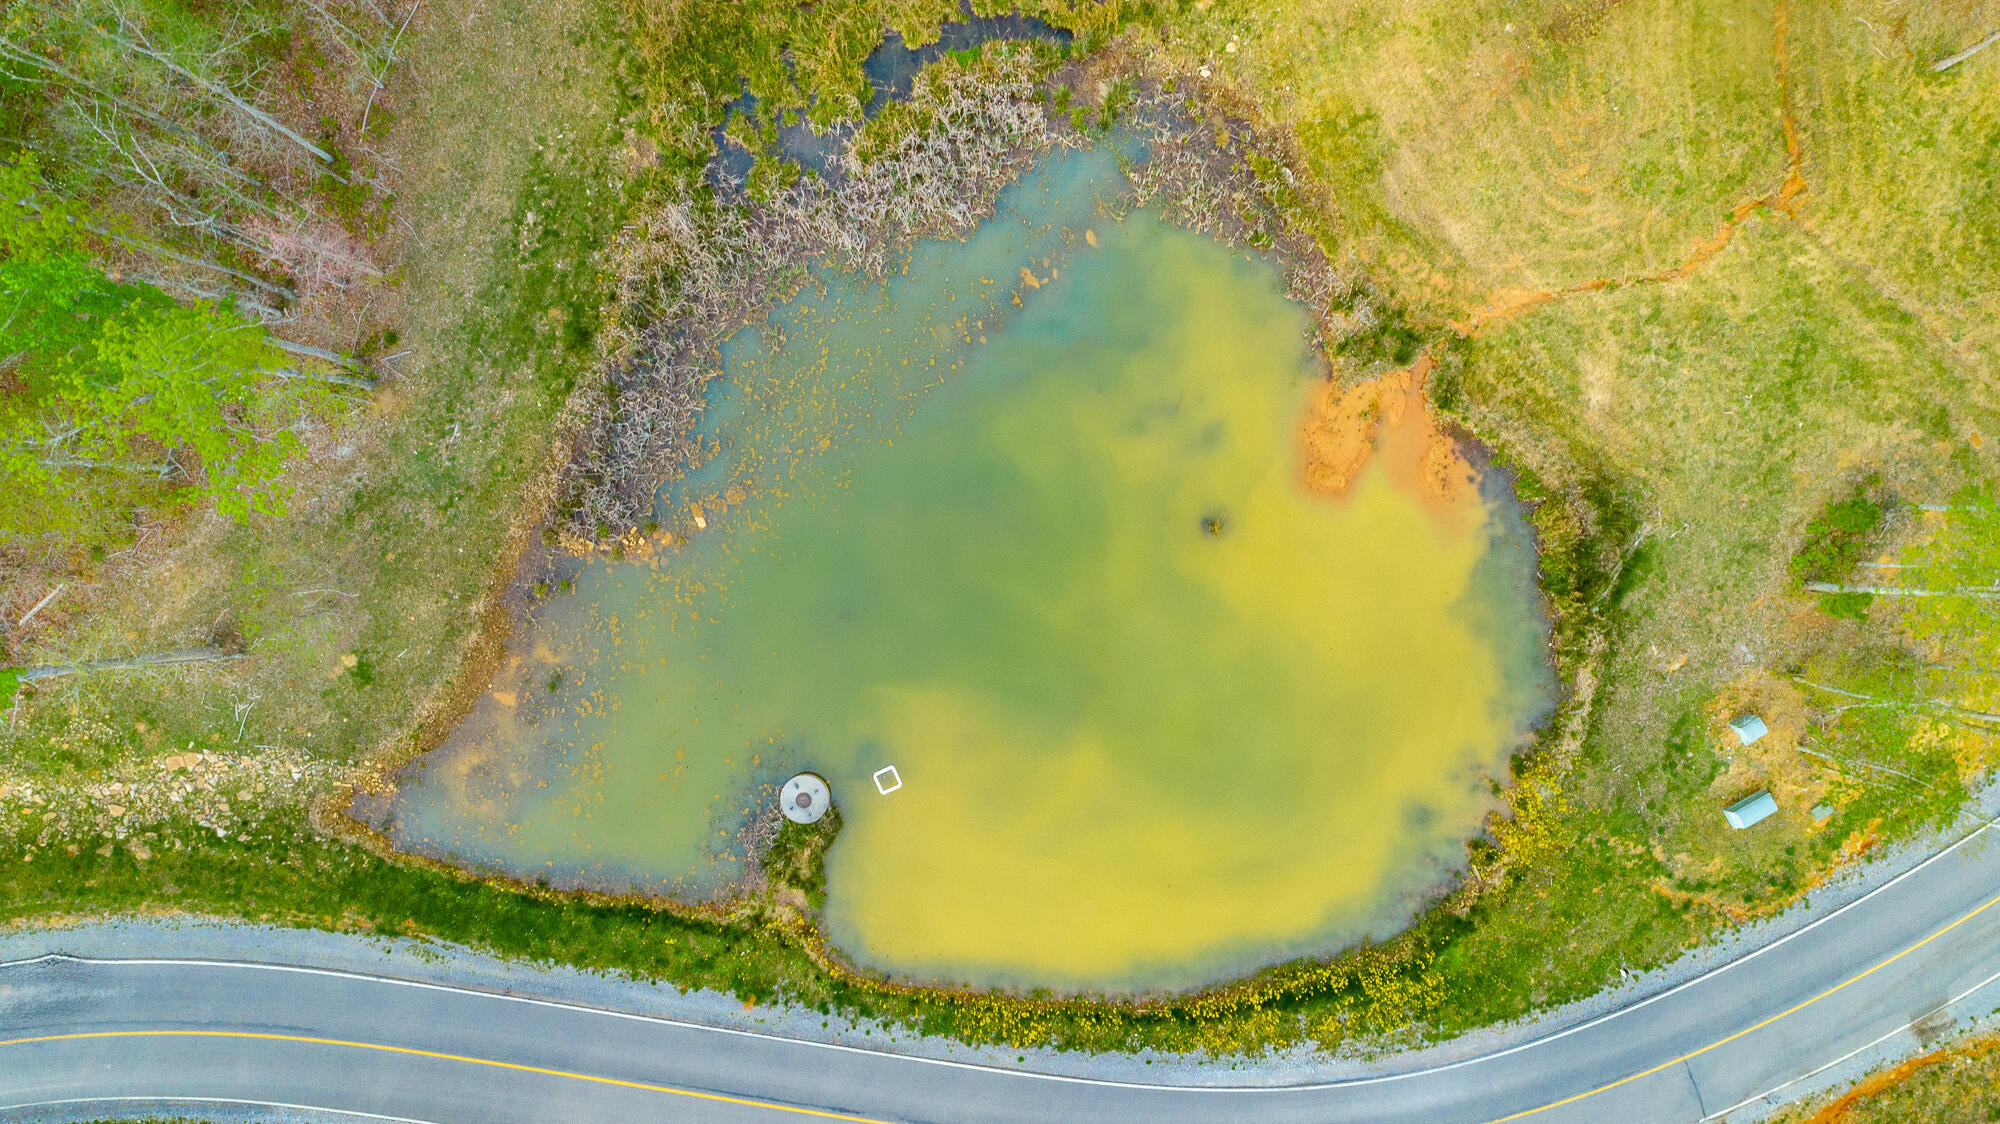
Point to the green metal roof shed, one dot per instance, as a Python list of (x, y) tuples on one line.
[(1748, 728), (1749, 810)]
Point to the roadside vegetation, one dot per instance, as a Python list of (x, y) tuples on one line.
[(1959, 1081), (1716, 284)]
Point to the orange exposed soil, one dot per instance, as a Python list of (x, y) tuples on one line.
[(1387, 419), (1890, 1078), (1795, 178)]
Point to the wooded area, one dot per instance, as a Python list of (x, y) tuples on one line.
[(183, 220)]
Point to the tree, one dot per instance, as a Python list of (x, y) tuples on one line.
[(1959, 628), (110, 392), (170, 116), (1945, 668)]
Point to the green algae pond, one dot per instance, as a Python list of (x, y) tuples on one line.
[(1028, 524)]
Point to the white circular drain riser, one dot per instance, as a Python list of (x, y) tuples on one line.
[(805, 798)]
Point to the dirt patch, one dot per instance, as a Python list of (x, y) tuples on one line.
[(227, 792), (1772, 762), (1386, 419), (1578, 22)]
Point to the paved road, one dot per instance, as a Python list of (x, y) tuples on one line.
[(81, 1037)]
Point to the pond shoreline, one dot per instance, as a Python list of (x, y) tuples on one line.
[(1190, 178)]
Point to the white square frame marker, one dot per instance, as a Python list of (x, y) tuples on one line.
[(887, 780)]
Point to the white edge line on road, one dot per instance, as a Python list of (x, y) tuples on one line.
[(1952, 1002), (1349, 1082), (25, 1105)]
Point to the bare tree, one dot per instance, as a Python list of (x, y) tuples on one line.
[(134, 39)]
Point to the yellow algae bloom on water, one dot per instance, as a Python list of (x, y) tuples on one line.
[(1157, 712)]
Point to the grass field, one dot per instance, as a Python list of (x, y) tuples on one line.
[(1696, 270)]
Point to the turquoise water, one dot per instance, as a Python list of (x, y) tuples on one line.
[(1025, 524)]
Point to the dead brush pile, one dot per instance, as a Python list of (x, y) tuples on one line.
[(694, 269)]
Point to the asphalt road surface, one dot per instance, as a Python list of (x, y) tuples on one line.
[(89, 1037)]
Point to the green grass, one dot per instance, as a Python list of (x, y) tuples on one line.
[(1726, 407), (290, 875), (1836, 538), (1902, 166), (796, 858)]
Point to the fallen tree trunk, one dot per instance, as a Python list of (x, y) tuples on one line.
[(263, 311), (1901, 590), (325, 376), (1878, 700), (312, 352), (278, 291), (132, 663), (1867, 765), (1945, 64), (228, 96)]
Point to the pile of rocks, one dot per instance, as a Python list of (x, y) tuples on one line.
[(227, 793)]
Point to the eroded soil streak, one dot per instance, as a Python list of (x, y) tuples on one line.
[(1506, 303)]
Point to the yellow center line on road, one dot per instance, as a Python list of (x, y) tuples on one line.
[(1754, 1027), (413, 1052), (830, 1115)]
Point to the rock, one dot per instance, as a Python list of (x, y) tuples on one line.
[(115, 809)]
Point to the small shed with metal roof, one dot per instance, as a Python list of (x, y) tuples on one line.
[(1748, 727), (1749, 810)]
